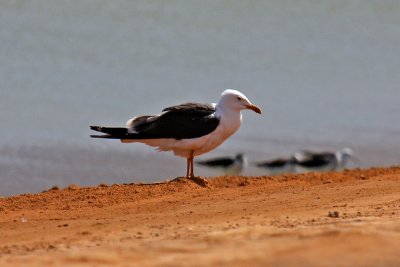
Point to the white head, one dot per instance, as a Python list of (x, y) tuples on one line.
[(237, 101), (346, 152), (344, 155), (240, 157)]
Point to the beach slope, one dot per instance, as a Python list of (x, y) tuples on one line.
[(349, 218)]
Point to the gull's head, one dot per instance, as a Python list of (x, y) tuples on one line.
[(346, 154), (347, 151), (237, 101)]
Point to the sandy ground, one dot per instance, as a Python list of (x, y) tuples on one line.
[(234, 221)]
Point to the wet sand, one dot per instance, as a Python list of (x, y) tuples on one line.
[(348, 218)]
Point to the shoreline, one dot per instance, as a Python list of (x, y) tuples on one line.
[(30, 169), (346, 218)]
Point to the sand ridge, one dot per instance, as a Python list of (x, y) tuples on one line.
[(348, 218)]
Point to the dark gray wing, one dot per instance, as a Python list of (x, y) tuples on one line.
[(191, 108), (317, 160), (276, 163), (185, 121)]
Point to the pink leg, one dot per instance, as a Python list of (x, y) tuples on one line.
[(187, 167), (191, 164)]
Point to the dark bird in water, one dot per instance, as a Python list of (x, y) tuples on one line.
[(277, 166), (188, 130), (306, 160), (229, 165)]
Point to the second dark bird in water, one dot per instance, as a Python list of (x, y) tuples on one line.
[(229, 165)]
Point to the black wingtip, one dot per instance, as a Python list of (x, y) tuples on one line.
[(101, 136)]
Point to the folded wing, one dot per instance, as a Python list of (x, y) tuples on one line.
[(186, 121)]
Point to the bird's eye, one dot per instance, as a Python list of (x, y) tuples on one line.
[(239, 98)]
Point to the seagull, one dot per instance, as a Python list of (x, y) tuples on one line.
[(277, 166), (230, 165), (306, 160), (188, 130)]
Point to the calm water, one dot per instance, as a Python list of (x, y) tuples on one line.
[(326, 74)]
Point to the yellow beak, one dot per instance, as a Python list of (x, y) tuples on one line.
[(254, 108)]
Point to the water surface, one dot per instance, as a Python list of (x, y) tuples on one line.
[(324, 73)]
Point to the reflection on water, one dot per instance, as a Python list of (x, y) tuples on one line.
[(325, 73)]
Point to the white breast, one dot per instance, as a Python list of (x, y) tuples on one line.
[(229, 123)]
